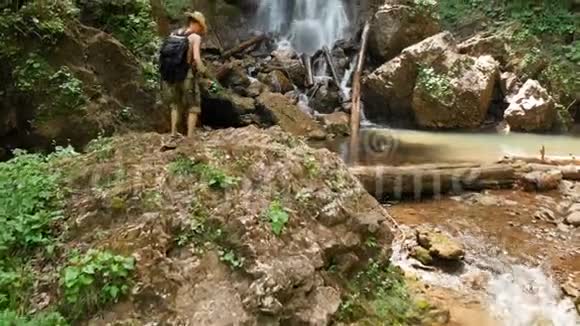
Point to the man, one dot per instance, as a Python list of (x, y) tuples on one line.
[(181, 68)]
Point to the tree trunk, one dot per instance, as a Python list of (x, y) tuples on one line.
[(356, 89), (433, 179)]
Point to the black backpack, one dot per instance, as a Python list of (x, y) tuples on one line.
[(173, 65)]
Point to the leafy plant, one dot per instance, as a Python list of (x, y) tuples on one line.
[(229, 257), (94, 279), (436, 85), (57, 92), (30, 200), (15, 284), (215, 177), (12, 318), (182, 166), (379, 293), (311, 166), (130, 21), (277, 216)]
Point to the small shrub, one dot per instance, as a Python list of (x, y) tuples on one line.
[(182, 166), (215, 177), (379, 293), (12, 318), (311, 165), (15, 284), (277, 216), (95, 279), (102, 147), (30, 200), (230, 257), (436, 85)]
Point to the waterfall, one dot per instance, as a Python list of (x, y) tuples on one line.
[(307, 24)]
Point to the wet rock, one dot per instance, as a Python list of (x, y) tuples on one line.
[(285, 53), (280, 110), (542, 180), (276, 81), (440, 245), (337, 123), (481, 44), (397, 25), (531, 109), (326, 99), (422, 255)]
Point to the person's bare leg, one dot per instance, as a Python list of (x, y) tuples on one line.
[(191, 123), (174, 120)]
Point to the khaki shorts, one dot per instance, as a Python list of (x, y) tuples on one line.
[(184, 96)]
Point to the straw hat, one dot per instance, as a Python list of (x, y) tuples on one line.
[(198, 17)]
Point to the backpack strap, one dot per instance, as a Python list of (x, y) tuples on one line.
[(182, 33)]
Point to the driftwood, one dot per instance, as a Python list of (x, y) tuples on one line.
[(356, 89), (307, 61), (244, 45), (332, 67), (435, 179)]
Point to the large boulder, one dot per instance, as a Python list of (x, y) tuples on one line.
[(278, 109), (208, 255), (277, 81), (482, 44), (399, 24), (531, 109), (457, 98), (431, 85)]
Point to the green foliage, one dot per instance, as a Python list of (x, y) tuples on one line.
[(43, 21), (12, 318), (277, 216), (30, 200), (199, 231), (536, 17), (182, 166), (176, 8), (436, 85), (379, 293), (15, 283), (231, 258), (95, 279), (311, 166), (215, 178), (57, 92), (427, 6), (130, 21), (102, 147)]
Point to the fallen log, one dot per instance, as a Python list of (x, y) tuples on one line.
[(433, 179), (356, 89), (549, 160), (244, 45), (569, 172), (333, 72), (307, 62)]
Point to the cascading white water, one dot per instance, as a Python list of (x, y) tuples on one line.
[(307, 24)]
